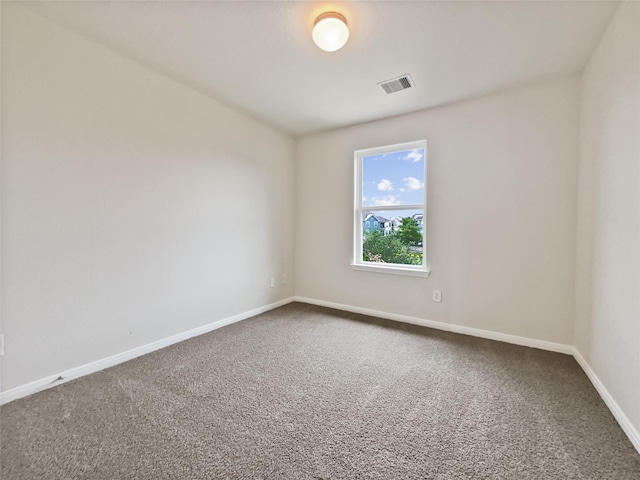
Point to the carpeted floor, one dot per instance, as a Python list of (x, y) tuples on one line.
[(304, 392)]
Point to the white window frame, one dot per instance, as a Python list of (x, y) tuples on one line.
[(359, 209)]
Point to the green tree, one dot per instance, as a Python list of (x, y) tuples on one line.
[(409, 232), (380, 248)]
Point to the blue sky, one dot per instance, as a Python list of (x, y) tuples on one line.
[(393, 178)]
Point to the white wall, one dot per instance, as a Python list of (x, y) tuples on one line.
[(133, 208), (608, 255), (501, 214)]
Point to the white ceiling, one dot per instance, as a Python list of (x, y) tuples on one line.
[(259, 58)]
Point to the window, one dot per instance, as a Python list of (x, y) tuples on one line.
[(390, 189)]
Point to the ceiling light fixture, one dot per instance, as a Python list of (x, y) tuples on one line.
[(330, 31)]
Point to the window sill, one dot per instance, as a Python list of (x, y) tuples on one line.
[(412, 272)]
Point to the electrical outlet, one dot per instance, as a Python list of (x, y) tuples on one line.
[(437, 295), (273, 282), (284, 278)]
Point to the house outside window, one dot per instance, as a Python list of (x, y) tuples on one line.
[(390, 209)]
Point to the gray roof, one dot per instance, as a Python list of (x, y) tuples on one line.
[(380, 219)]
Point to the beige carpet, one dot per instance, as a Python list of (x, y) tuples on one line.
[(304, 392)]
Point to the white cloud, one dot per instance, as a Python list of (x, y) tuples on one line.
[(385, 185), (413, 183), (402, 190), (414, 155), (386, 200)]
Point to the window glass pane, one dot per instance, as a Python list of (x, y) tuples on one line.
[(395, 178), (396, 239)]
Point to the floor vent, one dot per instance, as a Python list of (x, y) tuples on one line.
[(397, 84)]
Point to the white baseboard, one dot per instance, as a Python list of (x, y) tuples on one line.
[(475, 332), (625, 424), (68, 375)]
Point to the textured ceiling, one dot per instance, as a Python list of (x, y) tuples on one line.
[(259, 58)]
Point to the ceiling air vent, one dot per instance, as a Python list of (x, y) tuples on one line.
[(397, 84)]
